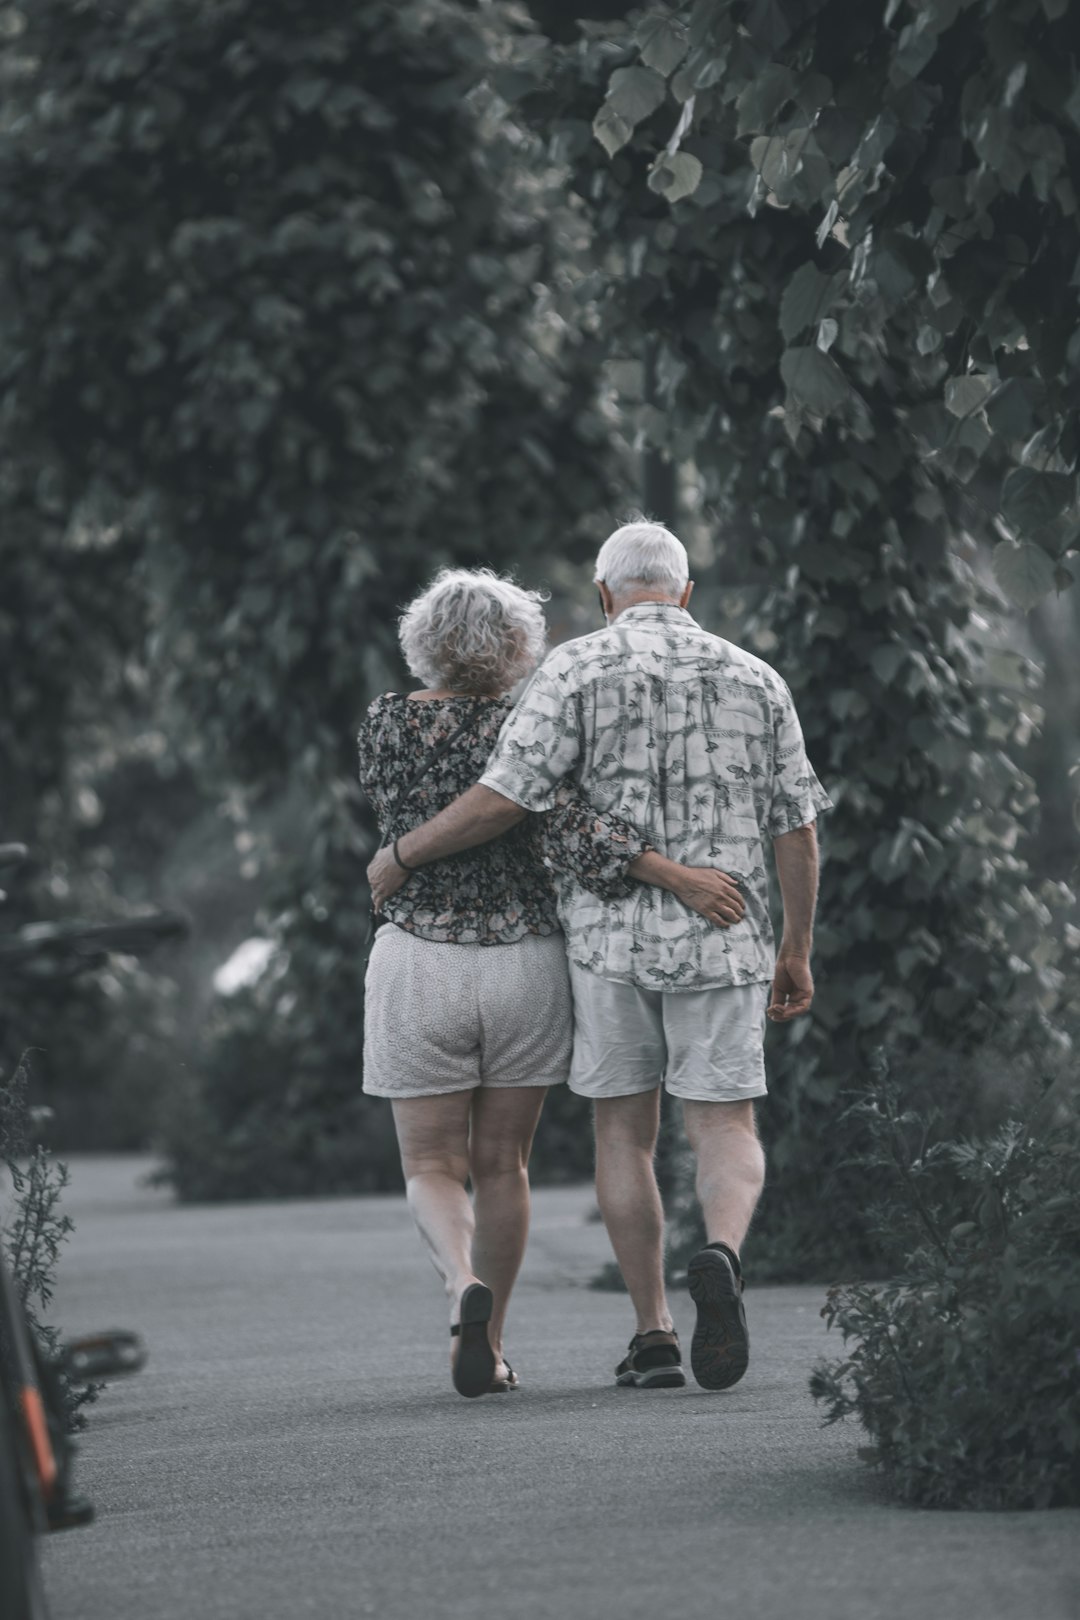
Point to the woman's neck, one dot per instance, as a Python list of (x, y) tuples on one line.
[(430, 697)]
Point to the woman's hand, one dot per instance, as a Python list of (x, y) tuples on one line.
[(385, 877), (704, 889)]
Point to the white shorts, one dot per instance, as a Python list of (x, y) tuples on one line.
[(441, 1018), (705, 1045)]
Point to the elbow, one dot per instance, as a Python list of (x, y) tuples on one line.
[(801, 835), (500, 813)]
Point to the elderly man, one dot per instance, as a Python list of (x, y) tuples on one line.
[(696, 743)]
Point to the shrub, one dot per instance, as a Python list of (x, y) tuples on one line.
[(964, 1370), (36, 1230)]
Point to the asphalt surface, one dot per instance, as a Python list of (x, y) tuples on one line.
[(294, 1446)]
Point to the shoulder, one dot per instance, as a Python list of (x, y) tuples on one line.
[(385, 701), (379, 710), (750, 670), (753, 666), (566, 666)]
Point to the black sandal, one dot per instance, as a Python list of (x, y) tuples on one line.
[(474, 1364), (499, 1386)]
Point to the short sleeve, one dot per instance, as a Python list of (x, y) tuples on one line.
[(540, 744), (367, 748), (798, 798)]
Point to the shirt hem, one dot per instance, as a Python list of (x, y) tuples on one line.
[(672, 989), (440, 939)]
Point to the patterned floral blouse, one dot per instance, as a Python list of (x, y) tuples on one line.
[(500, 891)]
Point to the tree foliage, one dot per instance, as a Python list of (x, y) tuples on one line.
[(928, 161), (272, 336), (860, 316), (269, 309)]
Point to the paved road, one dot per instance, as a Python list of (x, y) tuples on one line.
[(294, 1447)]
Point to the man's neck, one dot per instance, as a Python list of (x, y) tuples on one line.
[(621, 603)]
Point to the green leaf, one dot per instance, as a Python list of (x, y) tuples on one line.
[(306, 94), (886, 660), (964, 395), (766, 23), (1031, 499), (663, 42), (1009, 409), (1072, 107), (814, 378), (1024, 572), (512, 83), (676, 176), (763, 97), (805, 299), (610, 130), (777, 158), (895, 277), (634, 93), (767, 156), (813, 92)]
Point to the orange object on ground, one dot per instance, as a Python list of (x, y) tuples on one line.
[(37, 1429)]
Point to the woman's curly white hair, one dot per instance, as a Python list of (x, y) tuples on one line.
[(473, 631)]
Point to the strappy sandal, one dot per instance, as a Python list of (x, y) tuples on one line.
[(474, 1365), (499, 1386)]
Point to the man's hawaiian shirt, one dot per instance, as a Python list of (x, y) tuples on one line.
[(698, 745)]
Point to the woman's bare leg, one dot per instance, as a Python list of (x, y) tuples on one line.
[(504, 1119), (433, 1134)]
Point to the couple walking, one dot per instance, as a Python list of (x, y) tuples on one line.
[(578, 890)]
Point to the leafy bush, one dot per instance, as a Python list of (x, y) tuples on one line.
[(35, 1230), (964, 1369)]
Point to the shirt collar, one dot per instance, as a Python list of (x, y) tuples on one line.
[(654, 610)]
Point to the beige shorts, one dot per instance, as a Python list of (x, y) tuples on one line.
[(441, 1018), (705, 1045)]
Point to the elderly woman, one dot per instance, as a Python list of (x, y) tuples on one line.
[(468, 1010)]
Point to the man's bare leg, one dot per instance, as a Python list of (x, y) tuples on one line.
[(629, 1199), (730, 1167), (730, 1176)]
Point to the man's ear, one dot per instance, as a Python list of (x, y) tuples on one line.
[(607, 601), (684, 599)]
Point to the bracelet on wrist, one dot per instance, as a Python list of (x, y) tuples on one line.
[(401, 863)]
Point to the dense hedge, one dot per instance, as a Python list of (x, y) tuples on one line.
[(799, 225)]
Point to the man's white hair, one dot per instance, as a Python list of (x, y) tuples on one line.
[(473, 631), (643, 554)]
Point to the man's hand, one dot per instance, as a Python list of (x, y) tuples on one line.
[(385, 876), (711, 892), (792, 989)]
